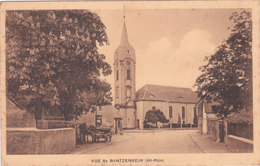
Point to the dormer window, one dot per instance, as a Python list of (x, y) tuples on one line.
[(151, 95), (128, 51), (180, 98)]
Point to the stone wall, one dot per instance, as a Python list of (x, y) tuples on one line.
[(35, 141), (53, 124), (239, 144), (213, 129), (18, 117)]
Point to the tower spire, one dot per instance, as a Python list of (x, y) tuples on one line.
[(124, 13), (124, 37)]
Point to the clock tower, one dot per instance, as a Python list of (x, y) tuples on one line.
[(124, 80)]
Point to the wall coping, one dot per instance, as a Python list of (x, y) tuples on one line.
[(35, 129), (242, 139)]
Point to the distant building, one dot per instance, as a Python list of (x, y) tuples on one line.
[(177, 104), (107, 116)]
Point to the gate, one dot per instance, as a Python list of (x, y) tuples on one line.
[(221, 131)]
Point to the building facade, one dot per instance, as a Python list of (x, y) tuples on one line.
[(177, 104)]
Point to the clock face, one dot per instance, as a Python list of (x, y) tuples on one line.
[(128, 62)]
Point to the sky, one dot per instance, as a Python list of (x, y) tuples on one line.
[(170, 44)]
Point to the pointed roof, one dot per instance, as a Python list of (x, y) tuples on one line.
[(166, 93), (124, 50), (124, 37)]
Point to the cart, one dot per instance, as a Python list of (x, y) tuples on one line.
[(99, 133)]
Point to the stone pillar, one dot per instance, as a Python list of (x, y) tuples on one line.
[(226, 131), (204, 121)]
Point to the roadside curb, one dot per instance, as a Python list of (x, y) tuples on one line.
[(197, 145), (158, 130), (219, 147)]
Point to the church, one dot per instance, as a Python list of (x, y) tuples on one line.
[(130, 106)]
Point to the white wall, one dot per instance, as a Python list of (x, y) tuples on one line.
[(143, 106), (139, 113), (177, 109)]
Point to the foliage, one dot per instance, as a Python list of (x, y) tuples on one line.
[(241, 117), (53, 57), (226, 79), (155, 115)]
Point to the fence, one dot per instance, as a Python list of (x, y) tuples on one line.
[(241, 130)]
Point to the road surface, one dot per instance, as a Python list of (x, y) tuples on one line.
[(155, 141)]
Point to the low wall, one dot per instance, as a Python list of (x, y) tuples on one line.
[(241, 130), (53, 124), (35, 141), (239, 144)]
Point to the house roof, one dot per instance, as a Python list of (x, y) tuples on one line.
[(166, 93), (109, 111), (12, 107)]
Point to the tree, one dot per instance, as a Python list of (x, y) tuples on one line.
[(53, 56), (155, 115), (226, 79)]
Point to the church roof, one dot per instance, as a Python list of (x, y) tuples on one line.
[(166, 93)]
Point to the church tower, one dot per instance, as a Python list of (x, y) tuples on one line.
[(124, 80)]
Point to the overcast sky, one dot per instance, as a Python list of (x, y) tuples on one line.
[(170, 44)]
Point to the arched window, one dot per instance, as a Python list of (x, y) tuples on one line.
[(128, 77), (117, 95), (117, 75), (170, 111), (183, 112)]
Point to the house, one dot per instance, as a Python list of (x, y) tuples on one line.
[(106, 116)]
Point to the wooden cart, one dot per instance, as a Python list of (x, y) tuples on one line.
[(99, 133)]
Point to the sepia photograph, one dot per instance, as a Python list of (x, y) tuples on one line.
[(128, 80)]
